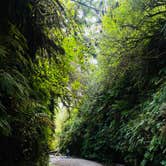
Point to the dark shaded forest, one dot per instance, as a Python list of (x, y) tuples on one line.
[(87, 78)]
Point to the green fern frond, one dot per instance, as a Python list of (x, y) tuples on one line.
[(3, 51), (11, 85), (2, 107), (20, 78), (5, 128), (44, 119)]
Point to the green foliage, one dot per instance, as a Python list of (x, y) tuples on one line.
[(122, 115), (35, 74), (112, 111)]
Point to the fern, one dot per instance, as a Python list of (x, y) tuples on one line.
[(2, 107), (11, 86), (3, 51), (5, 128), (44, 119)]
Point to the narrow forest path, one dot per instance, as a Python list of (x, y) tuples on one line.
[(63, 161)]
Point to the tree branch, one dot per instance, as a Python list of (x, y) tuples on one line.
[(91, 7)]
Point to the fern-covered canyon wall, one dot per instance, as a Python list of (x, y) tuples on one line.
[(35, 73), (86, 78)]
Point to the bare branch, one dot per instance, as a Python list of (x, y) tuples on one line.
[(91, 7)]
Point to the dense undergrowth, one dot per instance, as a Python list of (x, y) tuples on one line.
[(35, 72), (122, 117), (110, 110)]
